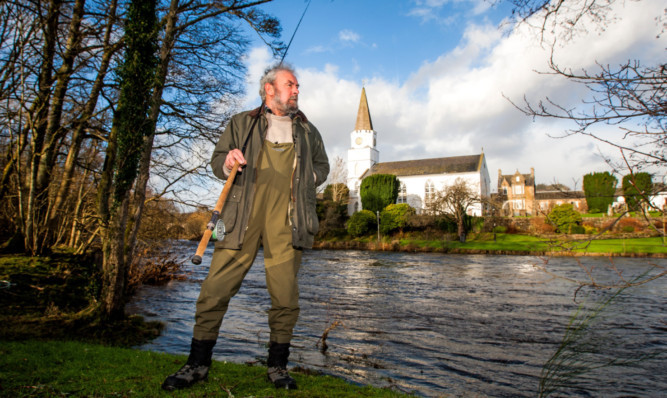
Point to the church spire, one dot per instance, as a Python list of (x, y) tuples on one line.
[(364, 115)]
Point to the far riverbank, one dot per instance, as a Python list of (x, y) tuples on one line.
[(510, 244)]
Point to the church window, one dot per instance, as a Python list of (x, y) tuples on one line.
[(429, 192), (402, 194)]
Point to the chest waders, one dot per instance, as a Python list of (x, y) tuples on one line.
[(269, 225)]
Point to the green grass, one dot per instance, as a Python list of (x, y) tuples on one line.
[(527, 243), (53, 344), (64, 368), (634, 245)]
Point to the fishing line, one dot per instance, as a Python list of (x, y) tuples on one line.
[(294, 33), (213, 223)]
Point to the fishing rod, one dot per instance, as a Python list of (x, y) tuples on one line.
[(215, 227)]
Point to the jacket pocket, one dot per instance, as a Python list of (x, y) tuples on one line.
[(312, 223), (230, 210)]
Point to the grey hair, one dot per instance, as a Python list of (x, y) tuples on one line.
[(270, 77)]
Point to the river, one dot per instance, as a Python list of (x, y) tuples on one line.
[(437, 324)]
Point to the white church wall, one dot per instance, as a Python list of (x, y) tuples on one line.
[(415, 187)]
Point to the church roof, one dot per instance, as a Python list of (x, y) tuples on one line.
[(454, 164), (364, 114)]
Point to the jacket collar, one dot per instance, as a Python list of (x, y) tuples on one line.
[(262, 109)]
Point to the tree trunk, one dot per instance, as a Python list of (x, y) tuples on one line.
[(38, 127), (82, 122), (114, 266), (156, 102), (123, 153)]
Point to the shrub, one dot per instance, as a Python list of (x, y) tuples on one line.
[(589, 229), (361, 223), (446, 223), (628, 228), (563, 217), (395, 216), (421, 222), (577, 229), (332, 216)]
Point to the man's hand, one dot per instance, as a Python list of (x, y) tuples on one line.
[(233, 156)]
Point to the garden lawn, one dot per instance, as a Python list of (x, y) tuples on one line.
[(526, 243)]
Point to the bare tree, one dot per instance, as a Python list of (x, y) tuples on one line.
[(53, 49), (630, 97), (455, 200), (336, 180)]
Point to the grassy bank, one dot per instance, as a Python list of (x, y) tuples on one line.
[(65, 368), (511, 244), (53, 343)]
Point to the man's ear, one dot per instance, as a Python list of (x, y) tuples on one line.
[(269, 89)]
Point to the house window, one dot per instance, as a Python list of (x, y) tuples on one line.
[(402, 195), (517, 179), (429, 192), (519, 204), (518, 189)]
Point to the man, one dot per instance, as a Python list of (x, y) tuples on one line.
[(272, 202)]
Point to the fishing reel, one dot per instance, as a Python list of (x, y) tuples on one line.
[(219, 231)]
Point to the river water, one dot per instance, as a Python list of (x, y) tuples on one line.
[(437, 324)]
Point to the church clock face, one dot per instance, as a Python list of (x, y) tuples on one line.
[(358, 141)]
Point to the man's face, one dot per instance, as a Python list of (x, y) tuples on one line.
[(283, 95)]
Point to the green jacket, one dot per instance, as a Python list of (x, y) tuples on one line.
[(311, 170)]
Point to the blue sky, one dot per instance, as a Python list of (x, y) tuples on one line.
[(438, 74), (381, 38)]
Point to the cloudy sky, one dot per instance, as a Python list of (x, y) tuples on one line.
[(438, 74)]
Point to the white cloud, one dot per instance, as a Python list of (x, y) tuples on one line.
[(348, 36), (455, 105)]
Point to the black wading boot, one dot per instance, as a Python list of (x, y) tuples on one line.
[(277, 363), (195, 369)]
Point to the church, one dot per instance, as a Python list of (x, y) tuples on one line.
[(419, 179)]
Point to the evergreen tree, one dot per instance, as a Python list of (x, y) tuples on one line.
[(599, 189), (378, 191), (636, 188)]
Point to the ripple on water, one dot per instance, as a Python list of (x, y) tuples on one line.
[(431, 323)]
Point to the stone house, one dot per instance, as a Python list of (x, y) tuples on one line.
[(519, 196)]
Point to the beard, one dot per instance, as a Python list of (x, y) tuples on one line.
[(288, 108)]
